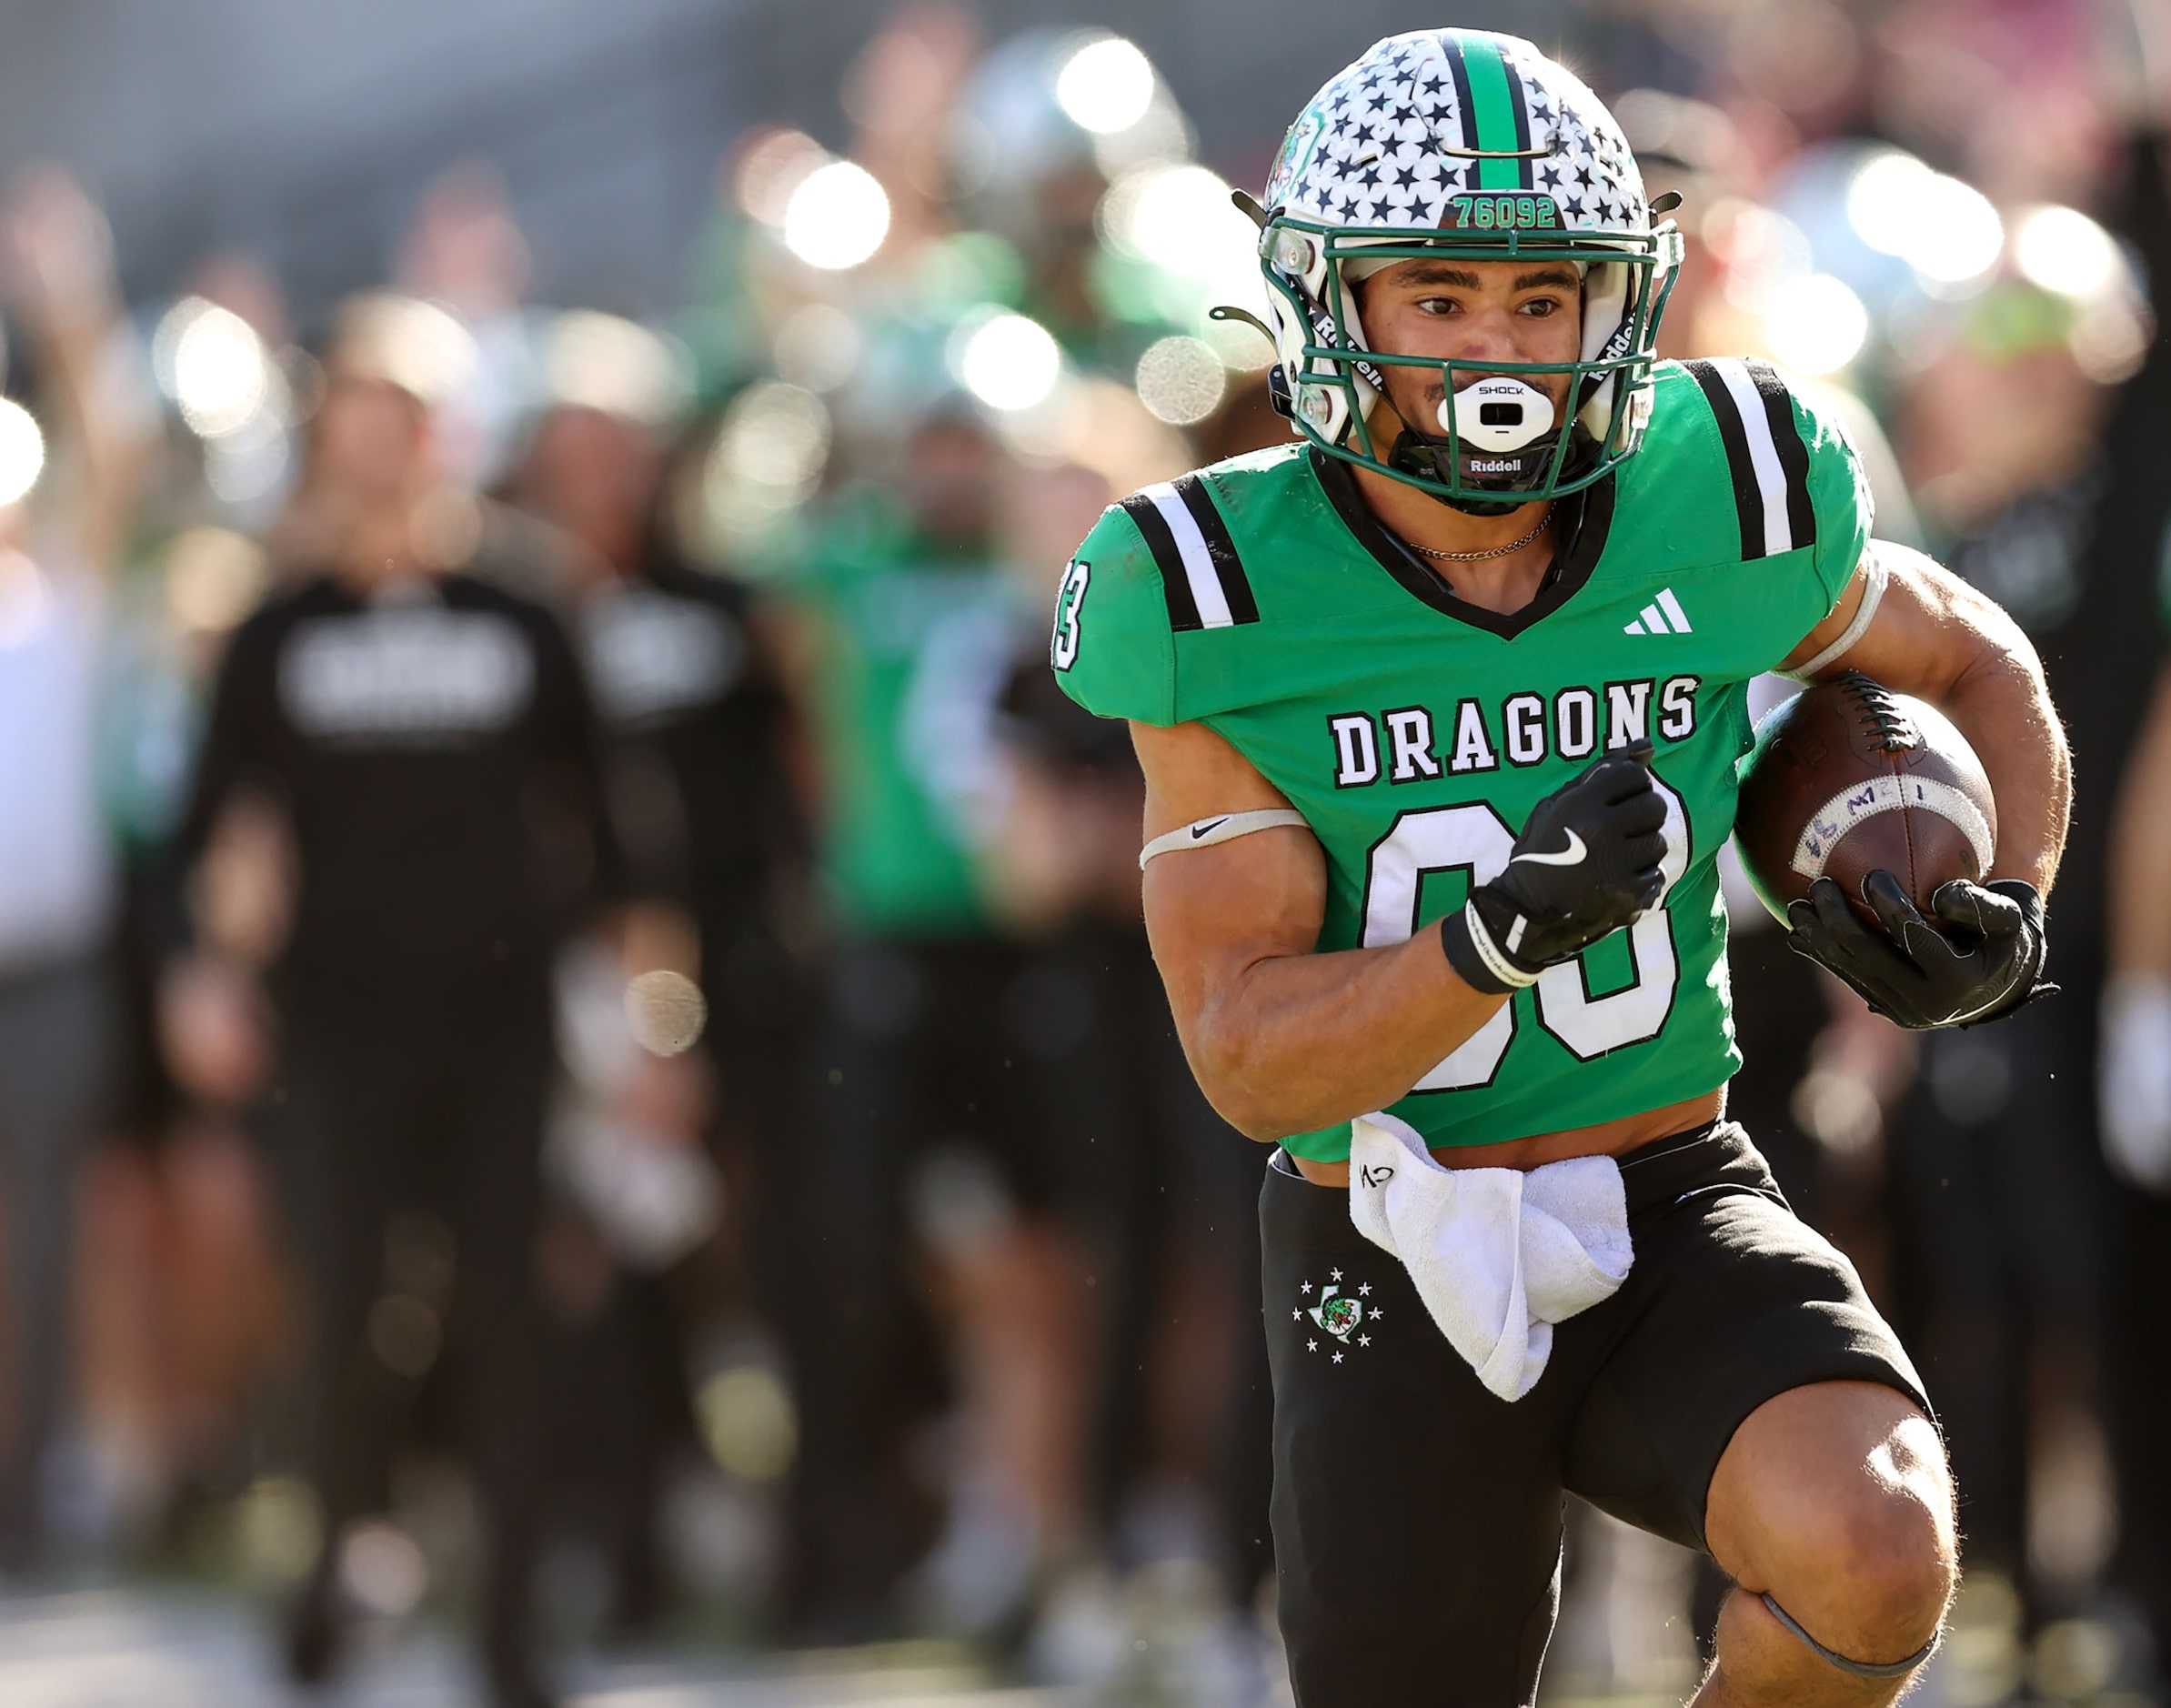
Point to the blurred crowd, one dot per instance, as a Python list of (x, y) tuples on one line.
[(576, 1037)]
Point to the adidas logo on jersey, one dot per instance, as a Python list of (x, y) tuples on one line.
[(1662, 616)]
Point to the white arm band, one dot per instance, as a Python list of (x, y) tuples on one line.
[(1873, 577), (1222, 827)]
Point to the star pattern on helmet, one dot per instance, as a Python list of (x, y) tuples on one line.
[(1371, 149)]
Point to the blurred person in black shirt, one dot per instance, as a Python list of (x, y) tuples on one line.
[(2035, 465), (694, 741), (1991, 1164), (1158, 1193), (695, 723), (425, 738), (2128, 730)]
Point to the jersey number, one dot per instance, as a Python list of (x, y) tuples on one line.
[(1475, 839), (1069, 608)]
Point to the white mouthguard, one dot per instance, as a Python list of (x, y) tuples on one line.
[(1497, 414)]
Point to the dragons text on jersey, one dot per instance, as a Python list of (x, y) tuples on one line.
[(1414, 731), (1400, 746)]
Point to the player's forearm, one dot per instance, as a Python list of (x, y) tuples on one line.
[(2003, 706), (1297, 1042), (2140, 898)]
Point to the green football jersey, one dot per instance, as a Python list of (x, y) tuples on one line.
[(1416, 731), (914, 645)]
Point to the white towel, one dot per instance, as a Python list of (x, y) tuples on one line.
[(1499, 1256)]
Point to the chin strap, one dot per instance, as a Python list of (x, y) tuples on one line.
[(1860, 1669), (1419, 453), (1407, 454)]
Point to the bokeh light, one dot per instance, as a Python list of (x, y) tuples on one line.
[(21, 451), (1947, 230), (599, 361), (214, 579), (1816, 325), (211, 363), (2063, 250), (1180, 380), (1106, 85), (749, 1422), (252, 462), (418, 346), (767, 459), (1764, 252), (276, 1528), (1007, 361), (1959, 234), (665, 1011), (1179, 217), (771, 170), (2110, 340), (837, 217), (1882, 198), (818, 345), (777, 436), (382, 1570), (1180, 220)]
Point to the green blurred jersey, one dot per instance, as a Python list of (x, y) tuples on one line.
[(914, 646)]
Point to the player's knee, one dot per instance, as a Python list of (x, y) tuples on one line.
[(1872, 1572)]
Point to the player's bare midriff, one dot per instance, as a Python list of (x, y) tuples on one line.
[(1607, 1139)]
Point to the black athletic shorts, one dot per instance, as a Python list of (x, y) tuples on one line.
[(1417, 1517)]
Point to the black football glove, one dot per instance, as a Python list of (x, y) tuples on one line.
[(1980, 959), (1586, 864)]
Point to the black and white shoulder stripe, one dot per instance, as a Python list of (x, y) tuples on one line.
[(1199, 572), (1765, 453)]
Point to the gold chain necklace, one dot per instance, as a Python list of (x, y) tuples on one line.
[(1497, 551)]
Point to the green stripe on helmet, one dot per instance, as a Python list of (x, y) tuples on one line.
[(1493, 108)]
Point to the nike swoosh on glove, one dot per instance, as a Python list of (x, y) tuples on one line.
[(1980, 959), (1586, 864)]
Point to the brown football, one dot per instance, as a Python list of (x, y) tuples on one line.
[(1848, 777)]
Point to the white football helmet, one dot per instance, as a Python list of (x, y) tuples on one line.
[(1466, 144)]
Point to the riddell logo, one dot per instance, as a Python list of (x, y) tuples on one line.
[(1496, 465)]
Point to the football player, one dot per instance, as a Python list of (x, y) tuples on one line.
[(1439, 710)]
